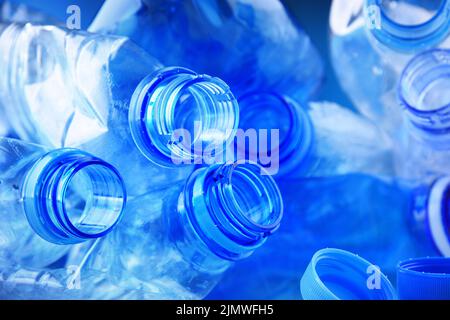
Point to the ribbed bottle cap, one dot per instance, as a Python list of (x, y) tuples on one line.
[(335, 274), (424, 279)]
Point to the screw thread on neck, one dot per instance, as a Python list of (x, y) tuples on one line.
[(424, 95), (176, 114), (70, 196), (233, 208)]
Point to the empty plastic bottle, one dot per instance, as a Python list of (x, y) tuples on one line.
[(50, 200), (240, 41), (372, 40), (105, 95), (320, 139), (383, 222), (424, 148), (180, 240)]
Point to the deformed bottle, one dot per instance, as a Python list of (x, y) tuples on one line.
[(51, 200), (180, 240), (313, 140), (14, 12), (382, 221), (372, 41), (104, 95), (240, 41)]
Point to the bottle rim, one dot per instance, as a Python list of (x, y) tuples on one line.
[(152, 115), (224, 226), (409, 38)]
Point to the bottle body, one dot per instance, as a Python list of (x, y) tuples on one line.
[(11, 12), (384, 222), (345, 142), (241, 35), (373, 41)]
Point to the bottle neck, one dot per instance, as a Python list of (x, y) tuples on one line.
[(438, 208), (424, 95), (266, 112), (176, 115), (70, 196), (408, 25), (232, 208)]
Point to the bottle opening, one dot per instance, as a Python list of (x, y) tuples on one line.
[(424, 90), (270, 111), (408, 25), (176, 116), (93, 199), (71, 196), (252, 196), (234, 207)]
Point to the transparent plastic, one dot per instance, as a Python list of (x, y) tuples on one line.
[(105, 95), (384, 222), (50, 200), (176, 243), (239, 41), (13, 12), (315, 140), (372, 41), (424, 148)]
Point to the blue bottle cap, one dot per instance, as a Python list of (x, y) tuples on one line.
[(335, 274), (424, 279)]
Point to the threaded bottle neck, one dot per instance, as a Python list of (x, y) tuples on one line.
[(408, 25), (424, 94), (233, 208), (271, 111), (70, 196), (176, 114)]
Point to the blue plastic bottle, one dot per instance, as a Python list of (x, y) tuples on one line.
[(50, 200), (177, 243), (105, 95), (382, 222), (315, 140), (240, 41), (372, 40), (424, 148)]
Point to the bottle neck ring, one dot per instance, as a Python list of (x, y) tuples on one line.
[(70, 196)]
